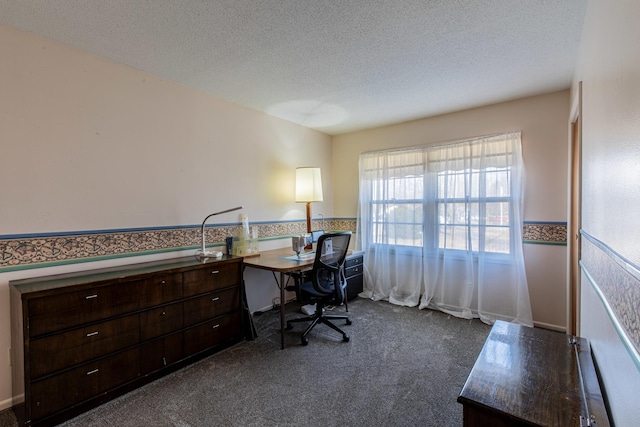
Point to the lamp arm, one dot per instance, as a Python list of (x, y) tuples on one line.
[(205, 220)]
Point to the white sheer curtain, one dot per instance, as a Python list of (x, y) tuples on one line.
[(441, 227)]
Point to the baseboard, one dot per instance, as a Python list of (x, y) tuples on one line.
[(550, 327), (5, 404)]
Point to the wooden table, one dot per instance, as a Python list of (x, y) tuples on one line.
[(532, 377), (274, 261)]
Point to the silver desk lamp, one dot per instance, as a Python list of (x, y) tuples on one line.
[(212, 254)]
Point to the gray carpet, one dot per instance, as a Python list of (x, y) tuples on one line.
[(402, 367)]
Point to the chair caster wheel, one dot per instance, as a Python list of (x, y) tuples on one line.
[(305, 341), (289, 326), (349, 321), (345, 338)]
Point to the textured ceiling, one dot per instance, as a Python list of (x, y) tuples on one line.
[(332, 65)]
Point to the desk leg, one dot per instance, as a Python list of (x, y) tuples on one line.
[(282, 289)]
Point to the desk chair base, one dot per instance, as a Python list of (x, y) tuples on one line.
[(320, 317)]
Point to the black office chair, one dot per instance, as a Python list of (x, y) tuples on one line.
[(325, 284)]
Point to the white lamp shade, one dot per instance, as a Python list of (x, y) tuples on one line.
[(308, 185)]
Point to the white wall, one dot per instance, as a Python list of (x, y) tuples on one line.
[(609, 67), (543, 122), (87, 144)]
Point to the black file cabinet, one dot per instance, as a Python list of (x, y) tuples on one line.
[(353, 272)]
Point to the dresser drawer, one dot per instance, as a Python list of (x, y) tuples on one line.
[(65, 310), (353, 271), (161, 321), (211, 278), (353, 261), (60, 391), (211, 333), (157, 354), (160, 289), (211, 305), (80, 345)]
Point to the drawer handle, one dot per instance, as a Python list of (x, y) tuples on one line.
[(91, 296), (92, 334), (215, 272), (215, 299), (163, 282), (215, 326), (95, 371), (163, 313)]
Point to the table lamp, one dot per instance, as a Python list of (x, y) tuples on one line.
[(308, 189)]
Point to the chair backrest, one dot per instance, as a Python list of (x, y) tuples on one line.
[(327, 275)]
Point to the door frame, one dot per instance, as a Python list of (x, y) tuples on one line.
[(575, 214)]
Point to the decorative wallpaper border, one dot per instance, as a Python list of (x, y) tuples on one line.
[(617, 282), (548, 233), (19, 252), (45, 250)]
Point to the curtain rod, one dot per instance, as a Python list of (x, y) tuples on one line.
[(442, 144)]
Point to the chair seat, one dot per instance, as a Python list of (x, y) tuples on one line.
[(308, 291)]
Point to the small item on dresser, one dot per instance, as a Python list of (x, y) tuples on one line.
[(229, 241)]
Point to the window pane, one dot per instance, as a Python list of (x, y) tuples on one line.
[(475, 213), (452, 213), (458, 236), (408, 188), (406, 234), (398, 234), (498, 213), (497, 239), (451, 185), (398, 223), (498, 182), (406, 212)]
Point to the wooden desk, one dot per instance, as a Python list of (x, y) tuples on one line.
[(532, 377), (273, 260)]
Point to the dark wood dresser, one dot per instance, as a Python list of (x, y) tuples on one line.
[(533, 377), (81, 339)]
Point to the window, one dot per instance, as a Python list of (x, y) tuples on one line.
[(441, 227), (470, 220), (398, 218), (457, 196)]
